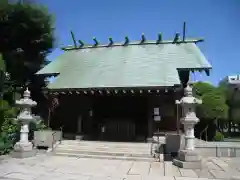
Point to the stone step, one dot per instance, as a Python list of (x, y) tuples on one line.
[(91, 148), (103, 152), (106, 144), (199, 141), (96, 156)]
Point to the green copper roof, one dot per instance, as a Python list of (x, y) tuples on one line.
[(134, 65)]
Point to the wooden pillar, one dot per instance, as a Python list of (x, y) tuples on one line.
[(178, 110), (150, 119), (150, 125), (79, 124)]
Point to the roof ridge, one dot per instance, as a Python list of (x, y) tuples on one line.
[(128, 43)]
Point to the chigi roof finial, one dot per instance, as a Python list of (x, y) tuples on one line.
[(81, 43), (110, 41), (126, 40), (176, 38), (74, 40), (159, 40), (96, 41), (143, 38)]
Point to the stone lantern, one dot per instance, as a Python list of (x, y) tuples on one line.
[(188, 157), (24, 148)]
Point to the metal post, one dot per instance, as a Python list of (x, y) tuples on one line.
[(216, 151), (184, 31), (74, 40)]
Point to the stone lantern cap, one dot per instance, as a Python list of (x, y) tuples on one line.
[(26, 101), (188, 96)]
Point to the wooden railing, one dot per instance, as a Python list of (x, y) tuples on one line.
[(55, 140), (53, 137), (204, 131)]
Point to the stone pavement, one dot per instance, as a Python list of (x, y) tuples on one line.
[(50, 167)]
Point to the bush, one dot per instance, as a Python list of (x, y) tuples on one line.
[(218, 136), (11, 112), (6, 144), (11, 128), (40, 125), (36, 126)]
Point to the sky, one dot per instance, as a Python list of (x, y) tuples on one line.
[(217, 21)]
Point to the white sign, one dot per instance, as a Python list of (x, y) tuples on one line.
[(157, 118), (156, 111), (90, 113)]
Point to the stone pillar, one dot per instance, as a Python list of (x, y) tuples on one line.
[(24, 133), (188, 158), (24, 148)]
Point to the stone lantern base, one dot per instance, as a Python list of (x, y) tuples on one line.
[(23, 150), (188, 160)]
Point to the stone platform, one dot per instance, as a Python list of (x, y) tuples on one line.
[(188, 160), (23, 150), (45, 166), (105, 150)]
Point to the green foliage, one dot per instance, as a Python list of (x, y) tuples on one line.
[(10, 126), (27, 26), (40, 125), (36, 126), (201, 88), (232, 95), (7, 114), (2, 63), (213, 107), (26, 38), (6, 144), (4, 106), (218, 136), (11, 112), (214, 102), (235, 111)]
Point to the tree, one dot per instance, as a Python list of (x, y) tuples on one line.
[(4, 105), (214, 102), (213, 107), (232, 95), (201, 88), (213, 111), (26, 37)]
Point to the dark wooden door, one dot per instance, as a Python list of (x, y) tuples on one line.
[(120, 130)]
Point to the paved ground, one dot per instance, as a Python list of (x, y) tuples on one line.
[(49, 167)]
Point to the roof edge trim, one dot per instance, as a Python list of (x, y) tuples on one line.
[(196, 40), (113, 88)]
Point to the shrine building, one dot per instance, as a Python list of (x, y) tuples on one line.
[(122, 91)]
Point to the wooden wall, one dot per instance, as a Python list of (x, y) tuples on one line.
[(71, 106)]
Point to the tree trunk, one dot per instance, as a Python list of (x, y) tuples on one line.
[(229, 121)]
